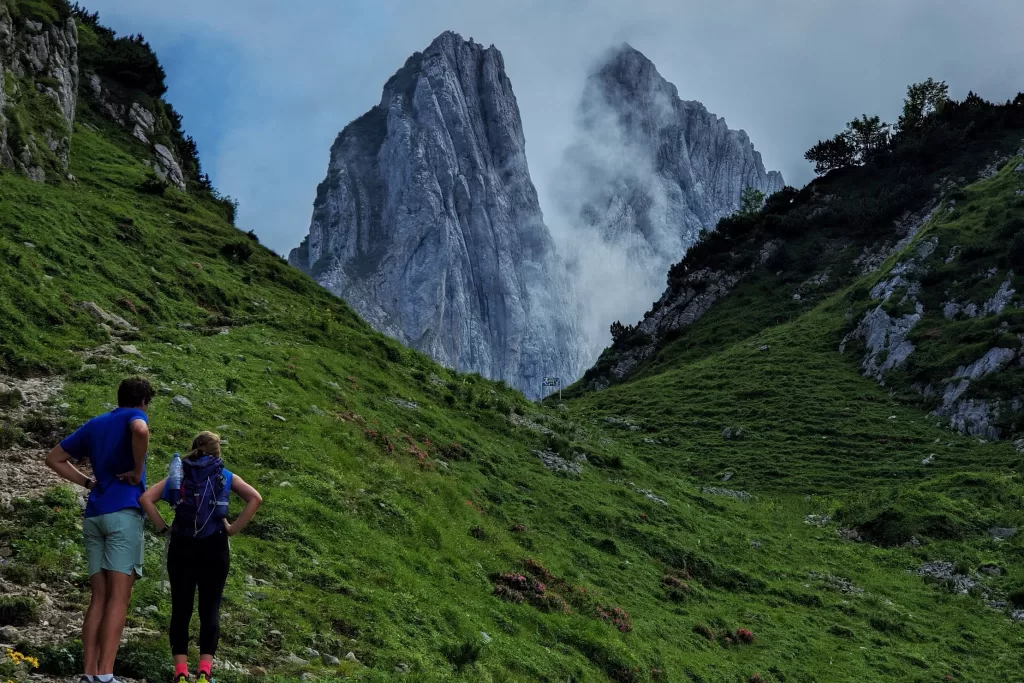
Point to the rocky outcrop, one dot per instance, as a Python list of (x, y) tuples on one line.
[(649, 171), (38, 94), (144, 125), (679, 307), (429, 225)]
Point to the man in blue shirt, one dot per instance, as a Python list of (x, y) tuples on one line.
[(115, 444)]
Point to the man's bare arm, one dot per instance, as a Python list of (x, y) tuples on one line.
[(59, 461)]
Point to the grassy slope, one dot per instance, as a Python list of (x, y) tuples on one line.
[(372, 551)]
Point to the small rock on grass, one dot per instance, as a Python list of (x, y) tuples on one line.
[(351, 656), (294, 659), (331, 660), (280, 418), (181, 402)]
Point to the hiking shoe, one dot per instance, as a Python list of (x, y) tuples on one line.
[(203, 678), (180, 678)]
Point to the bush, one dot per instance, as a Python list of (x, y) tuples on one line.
[(237, 252), (10, 399), (20, 573), (462, 655), (144, 659), (18, 610), (455, 451), (153, 185), (130, 61), (891, 518)]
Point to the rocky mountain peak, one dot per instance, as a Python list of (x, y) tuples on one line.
[(428, 223), (646, 173)]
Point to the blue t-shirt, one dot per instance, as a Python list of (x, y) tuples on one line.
[(106, 441)]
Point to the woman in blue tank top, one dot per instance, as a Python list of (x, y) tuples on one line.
[(198, 557)]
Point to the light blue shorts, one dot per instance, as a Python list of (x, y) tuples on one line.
[(114, 542)]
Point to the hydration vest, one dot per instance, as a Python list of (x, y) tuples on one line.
[(201, 505)]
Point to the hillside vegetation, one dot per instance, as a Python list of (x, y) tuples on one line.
[(440, 527)]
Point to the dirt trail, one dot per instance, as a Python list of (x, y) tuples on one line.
[(23, 473)]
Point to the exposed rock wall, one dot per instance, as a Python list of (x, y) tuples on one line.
[(428, 223), (144, 125), (647, 173), (38, 94)]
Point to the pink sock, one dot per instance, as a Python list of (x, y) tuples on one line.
[(204, 667), (180, 669)]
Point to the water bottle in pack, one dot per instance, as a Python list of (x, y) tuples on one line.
[(175, 474)]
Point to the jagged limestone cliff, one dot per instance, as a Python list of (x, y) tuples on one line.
[(651, 170), (429, 225), (645, 174), (38, 92)]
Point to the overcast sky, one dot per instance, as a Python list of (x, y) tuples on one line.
[(266, 85)]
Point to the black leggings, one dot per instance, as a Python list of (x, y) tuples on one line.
[(197, 564)]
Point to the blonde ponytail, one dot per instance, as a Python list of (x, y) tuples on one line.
[(207, 443)]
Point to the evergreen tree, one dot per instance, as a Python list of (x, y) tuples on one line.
[(751, 201)]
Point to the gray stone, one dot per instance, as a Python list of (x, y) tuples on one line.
[(317, 411), (1001, 298), (518, 420), (946, 573), (279, 418), (818, 520), (402, 403), (181, 402), (294, 660), (973, 416), (429, 225), (167, 168), (130, 350), (718, 491), (402, 668), (732, 433), (103, 317), (883, 335), (559, 465), (351, 656), (331, 660), (649, 495), (1001, 533), (285, 484)]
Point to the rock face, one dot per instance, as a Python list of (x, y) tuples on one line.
[(143, 124), (39, 65), (649, 171), (429, 225)]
